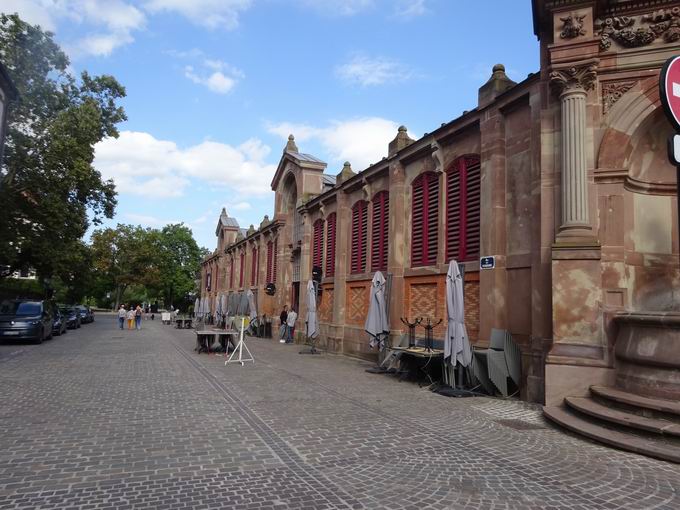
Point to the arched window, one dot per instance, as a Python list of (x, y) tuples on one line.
[(424, 224), (317, 244), (380, 227), (270, 258), (274, 263), (359, 234), (330, 245), (242, 268), (463, 186)]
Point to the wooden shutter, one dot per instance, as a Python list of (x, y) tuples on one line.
[(425, 219), (463, 187), (330, 245), (380, 227), (242, 267), (275, 262), (472, 208), (317, 246), (359, 232), (253, 266), (270, 258), (231, 273)]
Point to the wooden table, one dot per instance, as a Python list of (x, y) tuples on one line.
[(206, 337)]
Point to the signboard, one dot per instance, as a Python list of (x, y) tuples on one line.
[(669, 93), (487, 262)]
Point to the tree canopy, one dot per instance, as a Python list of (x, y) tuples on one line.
[(49, 189)]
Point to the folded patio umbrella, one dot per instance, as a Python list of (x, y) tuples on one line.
[(312, 323), (456, 344), (252, 309), (377, 325), (197, 305)]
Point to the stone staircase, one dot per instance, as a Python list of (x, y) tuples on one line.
[(619, 418)]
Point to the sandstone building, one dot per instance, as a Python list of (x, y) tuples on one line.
[(562, 177)]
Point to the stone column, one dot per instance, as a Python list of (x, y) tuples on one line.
[(572, 84)]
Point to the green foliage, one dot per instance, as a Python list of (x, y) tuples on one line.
[(48, 184), (179, 260), (11, 288)]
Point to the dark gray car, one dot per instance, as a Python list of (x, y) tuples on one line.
[(24, 319)]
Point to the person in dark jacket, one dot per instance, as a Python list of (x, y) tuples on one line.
[(283, 330)]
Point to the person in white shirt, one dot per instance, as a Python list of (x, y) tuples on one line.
[(290, 321), (121, 316)]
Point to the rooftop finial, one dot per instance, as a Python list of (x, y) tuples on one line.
[(290, 146)]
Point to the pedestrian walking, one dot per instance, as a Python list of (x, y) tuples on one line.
[(131, 318), (138, 317), (292, 317), (283, 329), (122, 313)]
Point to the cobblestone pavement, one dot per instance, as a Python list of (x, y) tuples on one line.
[(108, 419)]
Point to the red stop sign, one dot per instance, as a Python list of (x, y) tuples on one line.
[(669, 85)]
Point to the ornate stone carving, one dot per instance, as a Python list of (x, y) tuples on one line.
[(578, 76), (572, 26), (612, 92), (636, 31)]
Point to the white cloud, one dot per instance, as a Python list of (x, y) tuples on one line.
[(241, 206), (208, 13), (149, 221), (360, 141), (113, 21), (339, 7), (366, 71), (407, 9), (216, 81), (141, 164), (217, 75)]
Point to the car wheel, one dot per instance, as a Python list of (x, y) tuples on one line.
[(41, 337)]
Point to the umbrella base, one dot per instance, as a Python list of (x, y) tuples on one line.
[(377, 370)]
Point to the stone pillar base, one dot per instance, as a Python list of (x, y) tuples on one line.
[(573, 381)]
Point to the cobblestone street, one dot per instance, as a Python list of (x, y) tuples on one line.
[(103, 418)]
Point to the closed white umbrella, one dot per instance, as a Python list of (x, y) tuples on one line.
[(312, 323), (243, 304), (456, 344), (252, 309), (197, 305), (377, 325), (218, 306), (223, 304)]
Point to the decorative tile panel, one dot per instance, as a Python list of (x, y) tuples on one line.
[(326, 305), (357, 304)]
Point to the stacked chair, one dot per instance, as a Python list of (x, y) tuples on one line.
[(492, 367)]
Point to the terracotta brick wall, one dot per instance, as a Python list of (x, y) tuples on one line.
[(472, 306), (426, 297), (326, 305), (358, 294)]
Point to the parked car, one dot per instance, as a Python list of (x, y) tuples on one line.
[(59, 322), (71, 315), (86, 315), (26, 319)]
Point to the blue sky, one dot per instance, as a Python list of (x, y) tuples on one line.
[(214, 87)]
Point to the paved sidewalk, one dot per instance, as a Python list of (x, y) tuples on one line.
[(102, 418)]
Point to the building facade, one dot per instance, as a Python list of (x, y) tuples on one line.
[(563, 178)]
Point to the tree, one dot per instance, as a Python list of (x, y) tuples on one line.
[(179, 260), (125, 256), (48, 185)]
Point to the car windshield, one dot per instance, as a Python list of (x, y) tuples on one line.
[(65, 310), (19, 308)]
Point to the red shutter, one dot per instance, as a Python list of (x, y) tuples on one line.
[(330, 245), (359, 234), (231, 273), (472, 208), (425, 222), (253, 266), (380, 227), (274, 261), (242, 269), (270, 260), (257, 266), (453, 213), (317, 247)]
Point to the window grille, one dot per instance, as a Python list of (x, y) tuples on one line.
[(297, 228)]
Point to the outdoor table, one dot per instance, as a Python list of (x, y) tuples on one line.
[(422, 353), (183, 323), (206, 337)]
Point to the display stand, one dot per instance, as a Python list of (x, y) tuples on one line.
[(237, 355)]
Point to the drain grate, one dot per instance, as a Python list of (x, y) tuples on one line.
[(520, 425)]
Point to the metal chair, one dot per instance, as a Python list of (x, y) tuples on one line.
[(493, 367)]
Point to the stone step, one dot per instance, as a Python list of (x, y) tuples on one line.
[(631, 399), (622, 440), (592, 408)]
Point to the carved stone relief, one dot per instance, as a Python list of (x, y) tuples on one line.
[(612, 92), (572, 26), (636, 31)]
